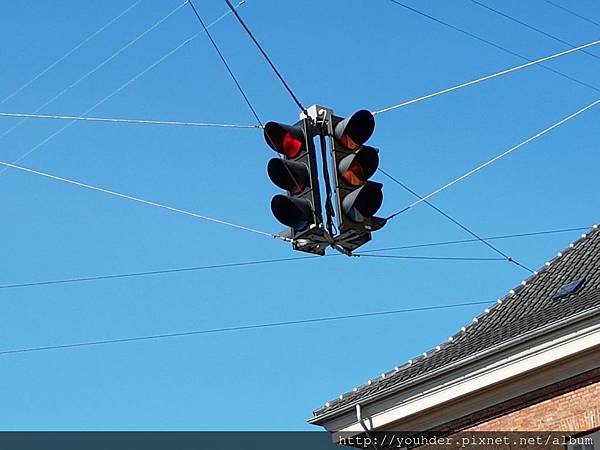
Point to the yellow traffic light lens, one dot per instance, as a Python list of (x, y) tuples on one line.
[(296, 188), (291, 176), (347, 142), (355, 175)]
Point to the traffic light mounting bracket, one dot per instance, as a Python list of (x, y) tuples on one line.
[(314, 239), (348, 239)]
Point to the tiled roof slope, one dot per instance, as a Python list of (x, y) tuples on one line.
[(525, 309)]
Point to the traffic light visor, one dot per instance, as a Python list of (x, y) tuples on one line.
[(363, 202), (294, 212), (285, 139), (358, 167), (288, 175), (355, 130)]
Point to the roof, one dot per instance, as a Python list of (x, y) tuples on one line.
[(524, 311)]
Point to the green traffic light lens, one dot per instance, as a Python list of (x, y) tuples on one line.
[(295, 213)]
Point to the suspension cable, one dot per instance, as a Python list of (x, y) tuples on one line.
[(70, 52), (241, 327), (485, 78), (123, 120), (140, 200), (496, 158), (287, 87)]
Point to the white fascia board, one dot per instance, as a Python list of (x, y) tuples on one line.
[(502, 370)]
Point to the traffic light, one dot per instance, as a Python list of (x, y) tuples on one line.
[(357, 198), (296, 173)]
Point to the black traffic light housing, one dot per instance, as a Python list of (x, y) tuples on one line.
[(357, 198), (295, 172)]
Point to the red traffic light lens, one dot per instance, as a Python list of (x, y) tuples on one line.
[(285, 139), (291, 146)]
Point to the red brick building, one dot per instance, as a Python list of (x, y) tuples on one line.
[(530, 362)]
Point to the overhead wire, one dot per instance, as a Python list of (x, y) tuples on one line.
[(174, 50), (496, 158), (570, 11), (123, 120), (487, 238), (393, 107), (131, 80), (241, 327), (262, 51), (456, 222), (139, 200), (530, 63), (237, 83), (152, 272), (211, 267), (139, 121), (492, 44), (97, 67), (114, 92), (531, 27), (485, 78), (431, 258), (69, 53), (231, 74)]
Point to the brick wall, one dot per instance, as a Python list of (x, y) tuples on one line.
[(567, 407), (576, 410)]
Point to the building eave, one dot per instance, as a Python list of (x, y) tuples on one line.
[(496, 352)]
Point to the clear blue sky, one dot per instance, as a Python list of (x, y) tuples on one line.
[(346, 55)]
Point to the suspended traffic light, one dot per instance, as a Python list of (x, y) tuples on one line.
[(295, 172), (358, 199)]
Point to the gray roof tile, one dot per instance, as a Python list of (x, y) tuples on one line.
[(529, 308)]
